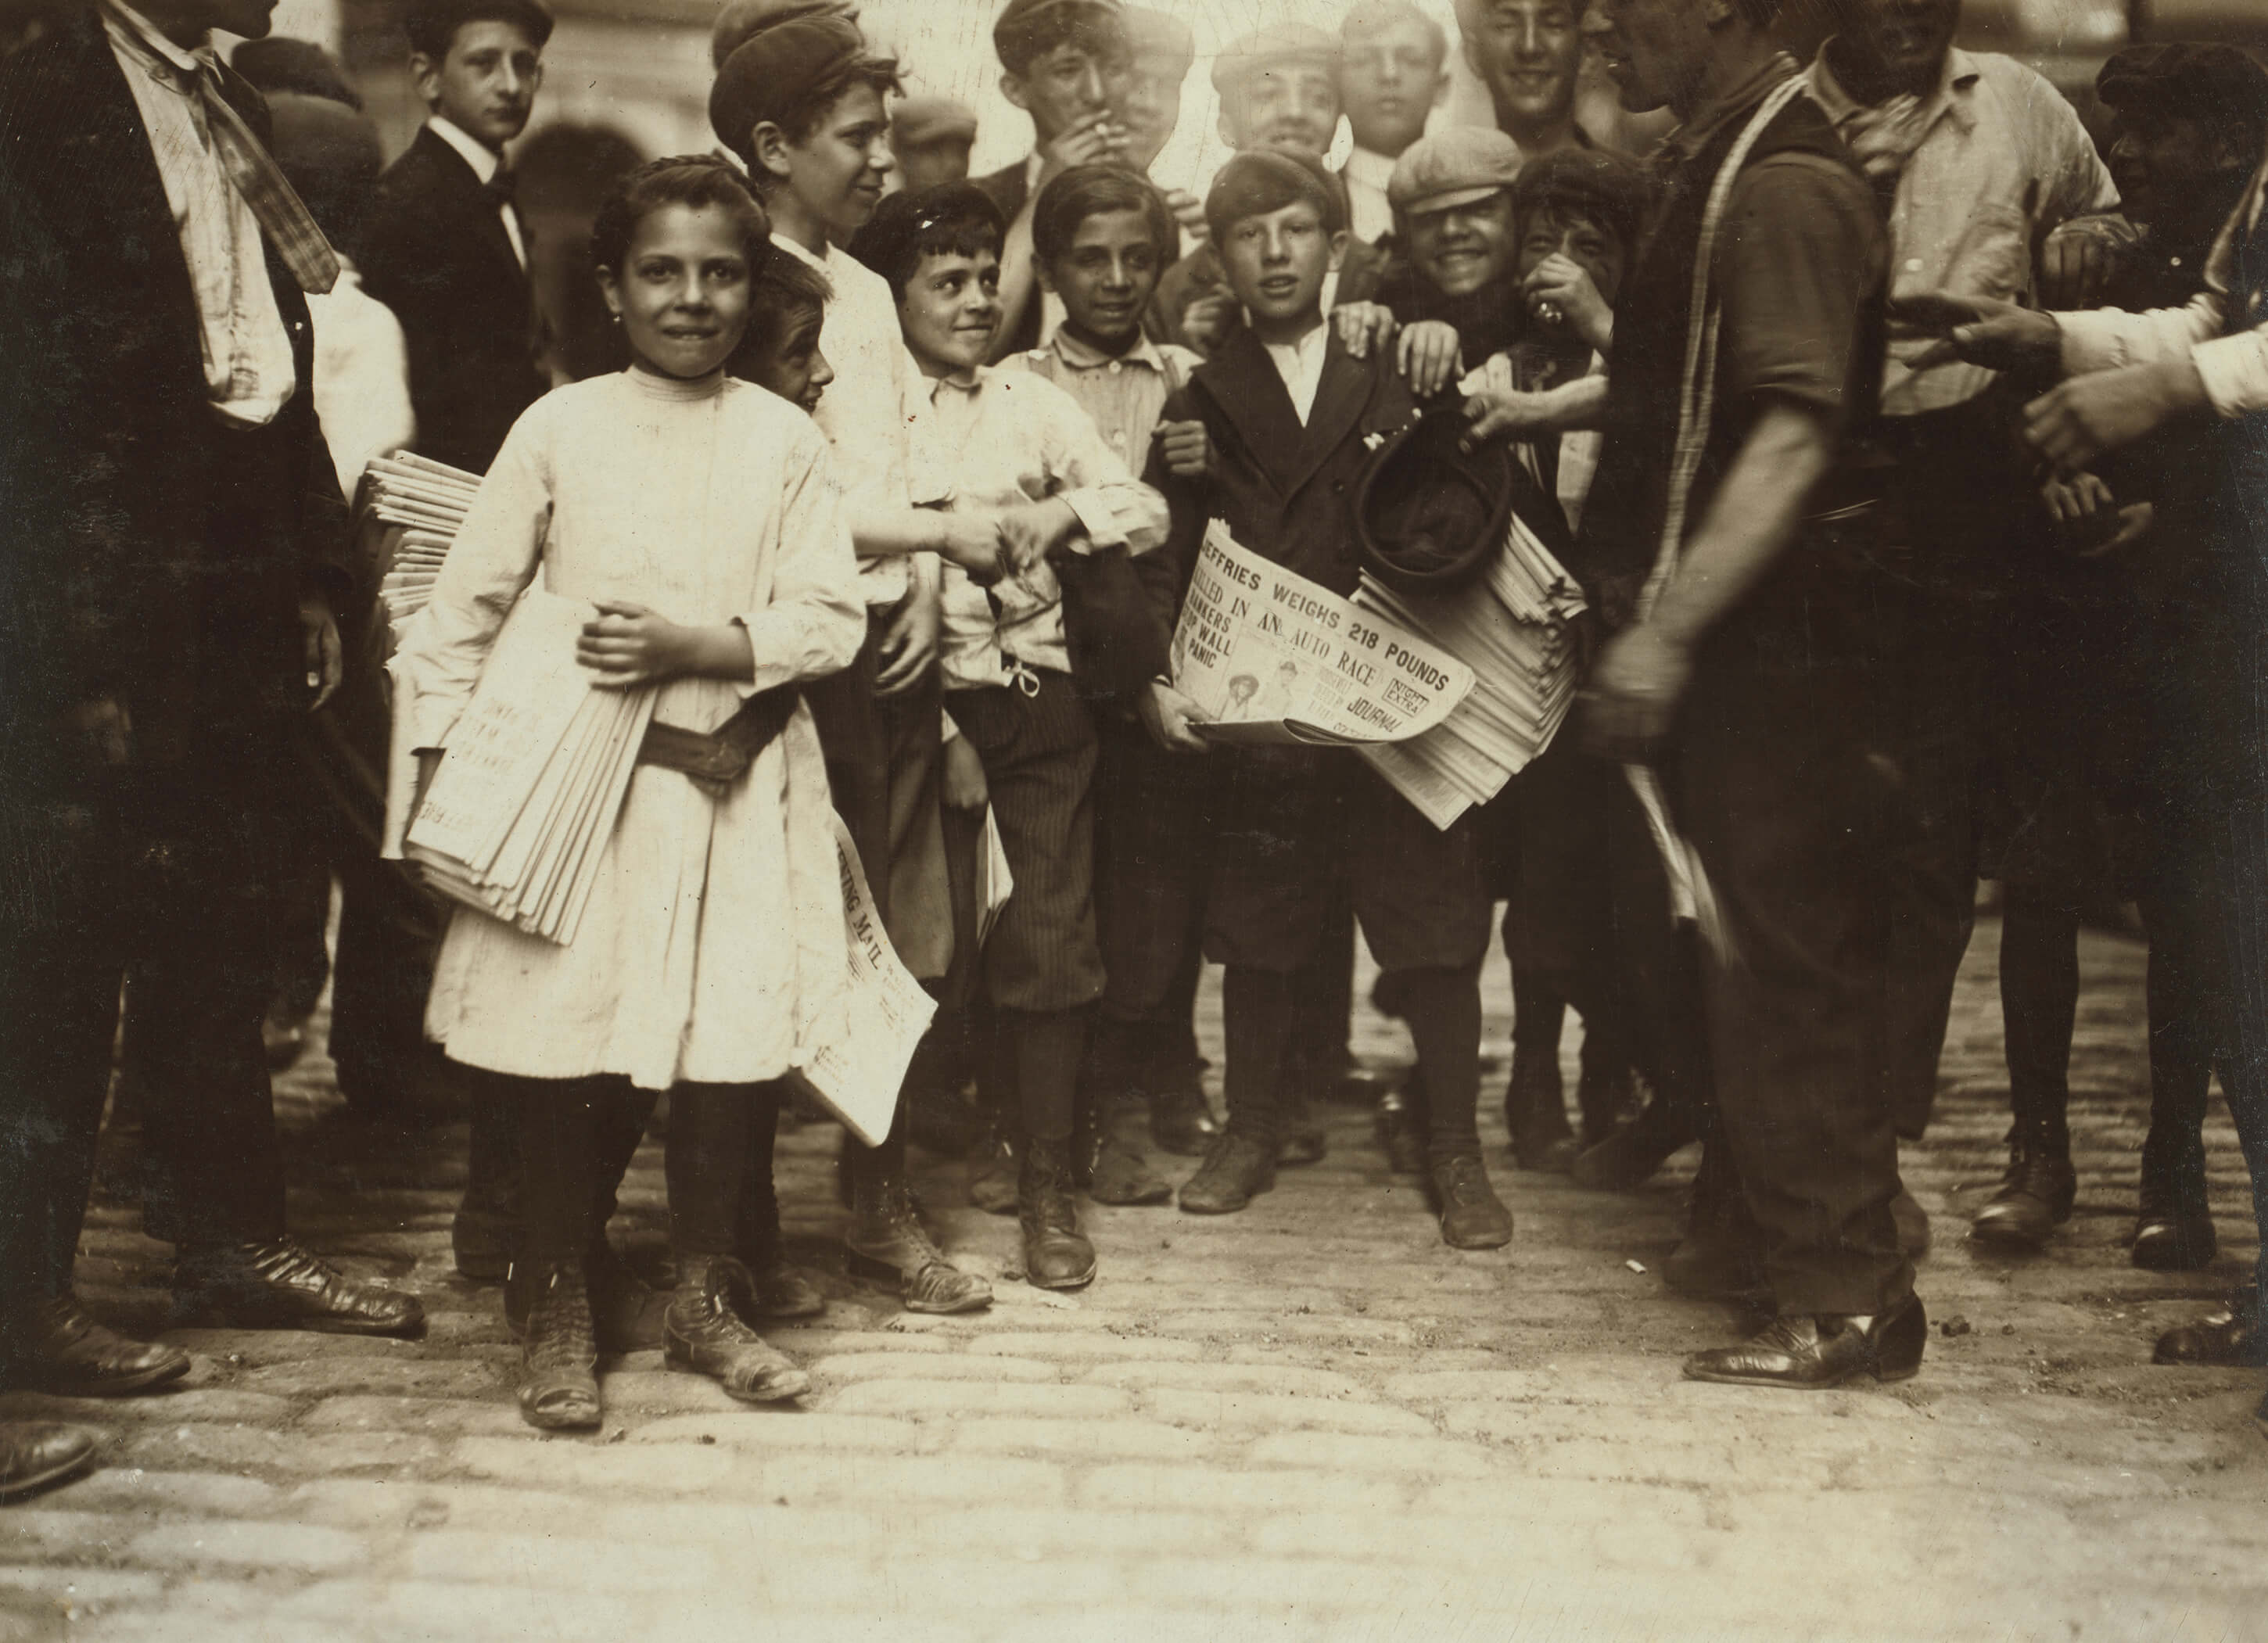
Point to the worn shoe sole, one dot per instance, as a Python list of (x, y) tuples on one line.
[(883, 1271)]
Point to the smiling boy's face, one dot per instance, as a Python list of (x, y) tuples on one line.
[(1276, 261), (950, 309), (1106, 276)]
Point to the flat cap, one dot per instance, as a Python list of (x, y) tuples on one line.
[(738, 21), (2219, 85), (1455, 165), (774, 66), (1277, 46), (1027, 27), (918, 121)]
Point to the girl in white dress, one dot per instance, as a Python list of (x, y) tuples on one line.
[(694, 514)]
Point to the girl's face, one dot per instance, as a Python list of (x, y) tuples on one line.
[(682, 292), (792, 367)]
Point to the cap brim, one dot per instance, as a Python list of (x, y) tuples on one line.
[(1450, 200)]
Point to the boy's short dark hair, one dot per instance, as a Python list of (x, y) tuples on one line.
[(1027, 29), (691, 179), (1260, 181), (952, 220), (1615, 193), (1085, 191), (784, 286), (432, 24), (790, 75)]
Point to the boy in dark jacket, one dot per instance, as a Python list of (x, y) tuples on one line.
[(1291, 418)]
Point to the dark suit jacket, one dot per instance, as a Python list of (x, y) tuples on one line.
[(435, 252), (1200, 272), (114, 580)]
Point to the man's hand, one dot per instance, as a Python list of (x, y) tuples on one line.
[(974, 542), (1430, 357), (1167, 714), (1187, 448), (1207, 321), (1558, 286), (1983, 330), (910, 643), (1092, 139), (1502, 414), (1362, 325), (1632, 700), (962, 781), (2081, 418), (628, 645), (1034, 530), (326, 662), (1188, 211)]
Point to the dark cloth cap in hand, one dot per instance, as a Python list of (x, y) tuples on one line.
[(1430, 517), (1260, 181), (774, 70)]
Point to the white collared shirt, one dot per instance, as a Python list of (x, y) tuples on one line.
[(1301, 364), (1366, 174), (2004, 161), (485, 162), (247, 354)]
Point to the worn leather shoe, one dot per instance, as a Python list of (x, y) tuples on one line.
[(71, 1354), (707, 1334), (2035, 1197), (1472, 1216), (1629, 1156), (1110, 1171), (280, 1285), (1181, 1119), (2175, 1241), (1236, 1170), (2235, 1337), (1057, 1255), (36, 1453), (559, 1379), (887, 1240), (1813, 1353), (992, 1168), (626, 1312)]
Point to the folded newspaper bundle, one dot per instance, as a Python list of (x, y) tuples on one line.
[(536, 768), (1515, 628), (428, 500)]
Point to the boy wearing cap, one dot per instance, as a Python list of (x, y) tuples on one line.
[(1060, 62), (930, 138), (1279, 91), (802, 101), (1012, 449), (1391, 77), (1290, 416), (446, 248)]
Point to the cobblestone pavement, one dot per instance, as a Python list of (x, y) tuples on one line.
[(1309, 1420)]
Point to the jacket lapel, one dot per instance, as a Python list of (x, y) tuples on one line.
[(1341, 393), (1243, 382), (455, 174)]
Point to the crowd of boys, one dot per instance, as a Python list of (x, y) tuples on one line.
[(1891, 574)]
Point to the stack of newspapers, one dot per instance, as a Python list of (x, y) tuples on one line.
[(428, 500), (1515, 628), (535, 770)]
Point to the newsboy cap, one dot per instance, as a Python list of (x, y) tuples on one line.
[(1277, 46), (1430, 515), (776, 66), (918, 121), (1454, 167), (740, 21), (2217, 85)]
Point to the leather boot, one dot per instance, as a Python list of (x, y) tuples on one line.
[(1108, 1170), (278, 1283), (1472, 1216), (1181, 1117), (2035, 1197), (70, 1354), (36, 1453), (1399, 1125), (2173, 1231), (559, 1381), (1057, 1255), (1535, 1114), (781, 1291), (626, 1312), (1237, 1169), (707, 1333), (887, 1240)]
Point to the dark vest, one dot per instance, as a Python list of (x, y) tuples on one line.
[(1629, 499)]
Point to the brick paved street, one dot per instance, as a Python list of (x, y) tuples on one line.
[(1308, 1421)]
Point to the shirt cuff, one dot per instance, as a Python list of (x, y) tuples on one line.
[(2235, 372), (1098, 517), (2092, 341)]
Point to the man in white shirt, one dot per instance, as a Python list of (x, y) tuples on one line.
[(1391, 77), (446, 248)]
